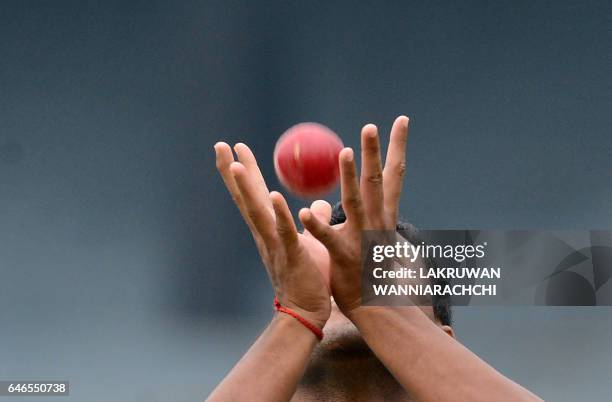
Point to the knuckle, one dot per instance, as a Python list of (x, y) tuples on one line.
[(325, 236), (401, 169), (284, 231), (375, 178), (372, 148), (236, 198), (252, 214), (353, 202), (263, 252), (272, 245)]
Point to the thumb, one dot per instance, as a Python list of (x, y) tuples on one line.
[(322, 210)]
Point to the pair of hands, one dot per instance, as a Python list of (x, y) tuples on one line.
[(306, 268)]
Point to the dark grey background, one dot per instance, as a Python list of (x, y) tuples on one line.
[(126, 270)]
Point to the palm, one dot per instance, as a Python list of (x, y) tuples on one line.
[(319, 257), (303, 286)]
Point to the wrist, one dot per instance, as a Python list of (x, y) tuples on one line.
[(355, 313), (361, 313), (316, 319), (349, 308), (292, 328), (312, 321), (366, 316)]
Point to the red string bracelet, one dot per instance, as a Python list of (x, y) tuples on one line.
[(313, 328)]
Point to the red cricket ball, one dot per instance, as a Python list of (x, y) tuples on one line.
[(306, 159)]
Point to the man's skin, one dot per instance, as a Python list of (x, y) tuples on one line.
[(368, 353)]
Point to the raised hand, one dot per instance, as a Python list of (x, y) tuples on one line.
[(291, 258), (370, 203)]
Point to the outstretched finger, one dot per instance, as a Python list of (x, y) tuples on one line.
[(322, 210), (225, 158), (255, 204), (246, 157), (285, 227), (371, 173), (349, 188), (395, 166), (319, 230)]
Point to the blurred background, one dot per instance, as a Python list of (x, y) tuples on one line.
[(126, 269)]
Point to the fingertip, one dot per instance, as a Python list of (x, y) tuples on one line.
[(236, 168), (276, 197), (241, 146), (369, 131), (403, 120), (305, 215), (322, 210), (320, 204), (347, 154), (281, 209), (220, 145)]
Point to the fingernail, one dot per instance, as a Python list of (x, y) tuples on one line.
[(349, 156), (304, 213)]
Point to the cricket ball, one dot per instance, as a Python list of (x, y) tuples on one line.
[(306, 159)]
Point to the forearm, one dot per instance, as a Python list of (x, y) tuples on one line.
[(430, 364), (273, 366)]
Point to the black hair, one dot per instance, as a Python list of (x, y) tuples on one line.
[(441, 305)]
